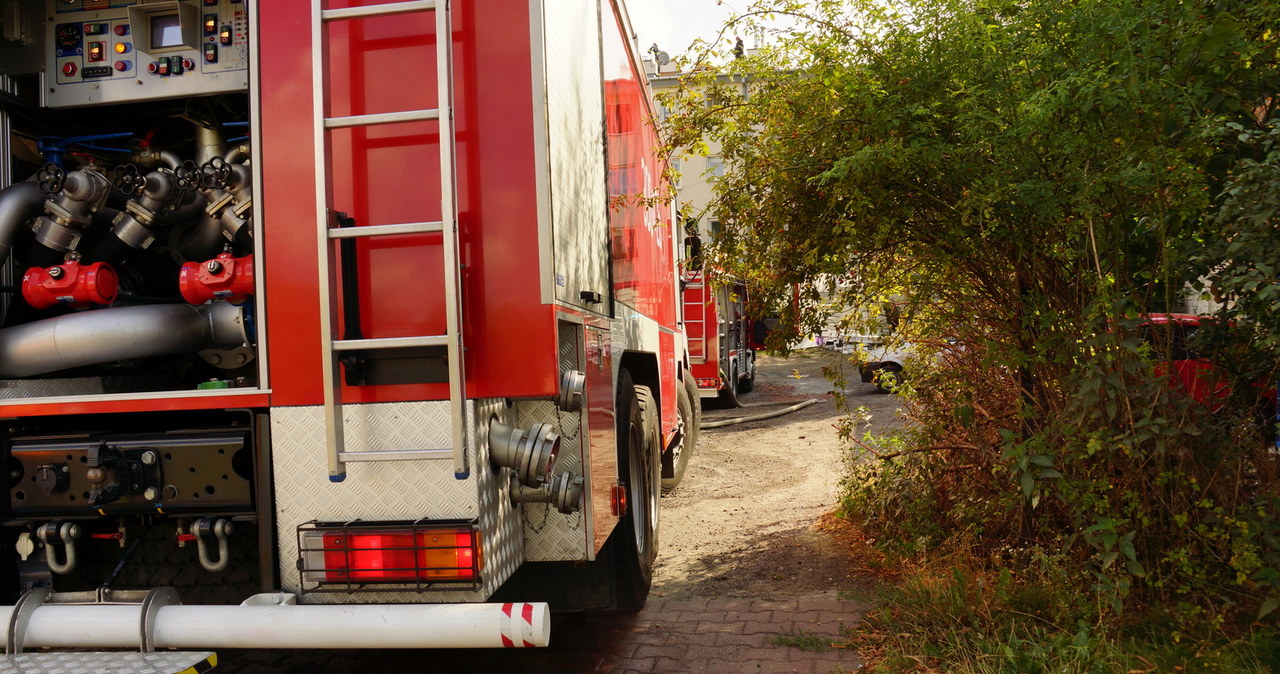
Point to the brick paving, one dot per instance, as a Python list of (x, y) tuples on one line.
[(696, 636), (735, 635)]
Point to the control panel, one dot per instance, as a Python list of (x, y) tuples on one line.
[(116, 51)]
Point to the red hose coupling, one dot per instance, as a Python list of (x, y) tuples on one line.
[(72, 283), (222, 278)]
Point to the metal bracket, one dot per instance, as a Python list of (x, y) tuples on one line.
[(27, 604), (155, 600)]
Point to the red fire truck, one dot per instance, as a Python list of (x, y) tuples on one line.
[(340, 324), (722, 345)]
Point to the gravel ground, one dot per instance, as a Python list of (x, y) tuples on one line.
[(745, 521)]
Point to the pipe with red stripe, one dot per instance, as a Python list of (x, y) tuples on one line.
[(263, 624)]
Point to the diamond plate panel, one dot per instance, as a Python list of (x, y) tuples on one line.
[(392, 490), (164, 662), (570, 341), (42, 388), (550, 535), (575, 117)]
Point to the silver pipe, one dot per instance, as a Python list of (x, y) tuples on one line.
[(19, 203), (208, 144), (170, 159), (119, 333), (237, 153)]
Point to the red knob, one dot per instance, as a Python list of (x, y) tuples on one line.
[(69, 69)]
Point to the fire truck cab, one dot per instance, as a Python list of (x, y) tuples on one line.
[(319, 317)]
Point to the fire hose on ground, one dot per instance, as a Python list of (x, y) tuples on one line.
[(759, 417)]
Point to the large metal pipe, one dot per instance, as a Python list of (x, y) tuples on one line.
[(19, 203), (119, 333), (517, 625)]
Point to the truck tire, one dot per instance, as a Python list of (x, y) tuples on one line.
[(695, 402), (748, 383), (636, 538), (678, 461)]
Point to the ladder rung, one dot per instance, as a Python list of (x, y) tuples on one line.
[(386, 230), (389, 343), (381, 118), (385, 9), (397, 455)]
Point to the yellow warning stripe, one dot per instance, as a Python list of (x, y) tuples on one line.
[(202, 666)]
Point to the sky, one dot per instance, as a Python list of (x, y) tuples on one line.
[(673, 24)]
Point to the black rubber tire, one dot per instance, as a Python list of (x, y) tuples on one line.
[(640, 452), (695, 400), (678, 461), (888, 376), (748, 383)]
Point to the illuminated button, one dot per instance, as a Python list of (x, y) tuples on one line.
[(122, 29), (210, 24), (123, 47), (225, 36), (69, 69), (97, 51), (211, 53), (124, 66)]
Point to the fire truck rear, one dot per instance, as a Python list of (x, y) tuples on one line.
[(722, 346), (330, 324)]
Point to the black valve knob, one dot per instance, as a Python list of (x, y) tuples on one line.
[(188, 176), (50, 178), (127, 179), (215, 173)]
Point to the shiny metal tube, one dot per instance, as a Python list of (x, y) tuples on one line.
[(208, 144), (513, 625), (237, 153), (170, 159), (19, 203), (119, 333)]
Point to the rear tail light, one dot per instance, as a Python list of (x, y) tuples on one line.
[(414, 553)]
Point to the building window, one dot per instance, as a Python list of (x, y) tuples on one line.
[(715, 167)]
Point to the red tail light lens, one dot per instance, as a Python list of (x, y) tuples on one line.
[(411, 555)]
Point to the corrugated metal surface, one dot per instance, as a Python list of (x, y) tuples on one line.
[(396, 490)]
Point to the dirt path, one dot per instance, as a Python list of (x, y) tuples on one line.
[(744, 522)]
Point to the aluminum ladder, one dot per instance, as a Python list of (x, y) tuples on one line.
[(696, 307), (332, 346)]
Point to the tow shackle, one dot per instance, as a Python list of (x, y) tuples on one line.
[(59, 533), (210, 531)]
